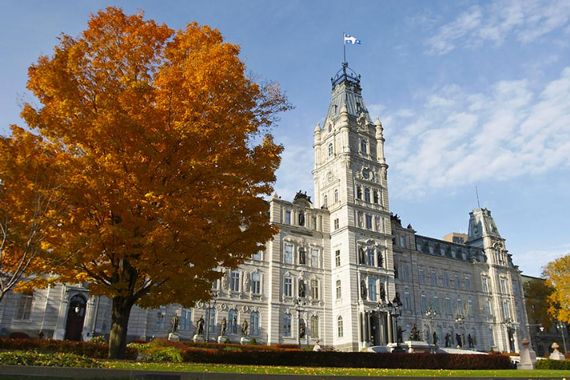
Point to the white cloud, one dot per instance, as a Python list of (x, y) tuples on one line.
[(510, 131), (532, 262), (296, 163), (524, 21)]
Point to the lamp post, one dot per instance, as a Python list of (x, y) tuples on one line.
[(431, 314), (214, 295), (392, 309), (560, 326), (299, 303), (460, 320)]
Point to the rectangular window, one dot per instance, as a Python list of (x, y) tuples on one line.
[(457, 282), (376, 197), (338, 290), (370, 256), (485, 283), (234, 281), (256, 283), (503, 285), (448, 306), (363, 146), (288, 253), (378, 223), (368, 221), (287, 217), (331, 150), (446, 280), (467, 283), (211, 319), (403, 241), (433, 278), (315, 289), (24, 306), (185, 319), (506, 310), (367, 194), (360, 217), (407, 301), (258, 256), (337, 257), (423, 303), (315, 262), (336, 224), (288, 287), (422, 277), (371, 289), (302, 256), (358, 192)]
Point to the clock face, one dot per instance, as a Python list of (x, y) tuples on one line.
[(365, 173)]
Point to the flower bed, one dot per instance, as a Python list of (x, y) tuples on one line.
[(58, 359), (89, 349)]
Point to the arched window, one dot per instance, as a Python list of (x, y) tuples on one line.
[(254, 323), (340, 327), (286, 324), (314, 326), (338, 290), (335, 195), (302, 288), (233, 321)]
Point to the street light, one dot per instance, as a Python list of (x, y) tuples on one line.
[(460, 320), (431, 314), (560, 326), (392, 309), (299, 303)]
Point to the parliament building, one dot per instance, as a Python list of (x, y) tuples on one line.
[(342, 270)]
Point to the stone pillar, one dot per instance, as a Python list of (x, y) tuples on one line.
[(59, 332)]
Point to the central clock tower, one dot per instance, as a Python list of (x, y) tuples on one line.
[(350, 177)]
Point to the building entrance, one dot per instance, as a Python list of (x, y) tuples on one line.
[(75, 317)]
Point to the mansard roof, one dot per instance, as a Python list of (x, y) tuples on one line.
[(347, 93)]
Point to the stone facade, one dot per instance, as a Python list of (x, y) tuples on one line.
[(334, 271)]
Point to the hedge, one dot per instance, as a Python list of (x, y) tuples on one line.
[(89, 349), (552, 364), (350, 359), (58, 359)]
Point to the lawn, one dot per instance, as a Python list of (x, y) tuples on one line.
[(280, 370)]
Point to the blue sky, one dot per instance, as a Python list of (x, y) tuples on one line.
[(470, 94)]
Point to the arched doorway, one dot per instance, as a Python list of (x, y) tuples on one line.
[(75, 317)]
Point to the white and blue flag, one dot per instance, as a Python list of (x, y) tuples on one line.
[(348, 39)]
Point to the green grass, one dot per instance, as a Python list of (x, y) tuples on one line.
[(280, 370)]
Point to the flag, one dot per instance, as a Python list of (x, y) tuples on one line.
[(348, 39)]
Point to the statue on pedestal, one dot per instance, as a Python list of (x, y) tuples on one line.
[(415, 333)]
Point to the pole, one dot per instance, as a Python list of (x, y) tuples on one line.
[(563, 338), (343, 49)]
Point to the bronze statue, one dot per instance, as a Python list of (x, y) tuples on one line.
[(200, 326), (244, 328)]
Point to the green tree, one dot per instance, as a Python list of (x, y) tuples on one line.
[(166, 155), (537, 292)]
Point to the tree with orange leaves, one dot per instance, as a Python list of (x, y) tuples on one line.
[(29, 199), (166, 155), (557, 274)]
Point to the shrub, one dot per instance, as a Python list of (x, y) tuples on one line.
[(90, 349), (156, 352), (58, 359), (350, 359), (553, 364)]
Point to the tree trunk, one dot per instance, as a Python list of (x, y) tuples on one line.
[(120, 319)]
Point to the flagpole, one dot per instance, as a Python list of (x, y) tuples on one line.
[(343, 49)]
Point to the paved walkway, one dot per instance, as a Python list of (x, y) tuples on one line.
[(98, 373)]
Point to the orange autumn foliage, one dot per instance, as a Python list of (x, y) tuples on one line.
[(165, 146), (29, 208)]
